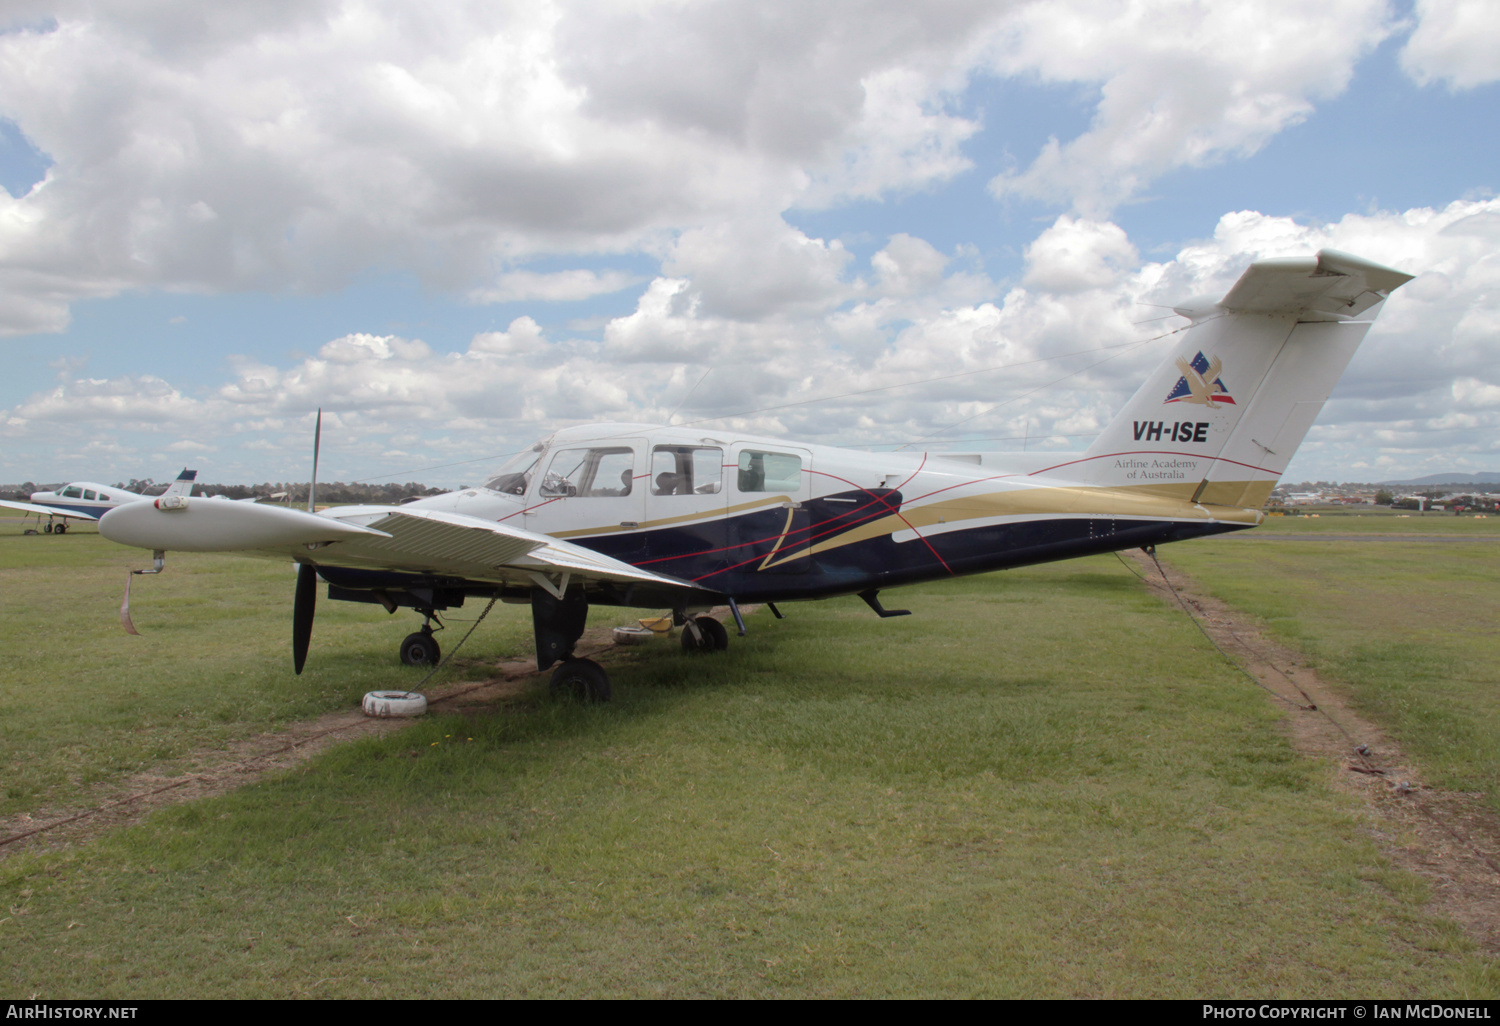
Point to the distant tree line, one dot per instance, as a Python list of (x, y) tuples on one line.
[(334, 493)]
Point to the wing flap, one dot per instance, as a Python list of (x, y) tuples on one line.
[(448, 538), (440, 542)]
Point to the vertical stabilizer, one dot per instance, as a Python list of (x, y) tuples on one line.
[(184, 483), (1219, 420)]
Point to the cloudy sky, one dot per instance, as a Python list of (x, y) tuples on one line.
[(457, 227)]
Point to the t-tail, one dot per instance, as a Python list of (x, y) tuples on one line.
[(1218, 422), (184, 483)]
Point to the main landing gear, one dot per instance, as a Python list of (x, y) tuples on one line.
[(558, 624), (582, 680)]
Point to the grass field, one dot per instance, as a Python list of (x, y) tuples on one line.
[(1408, 627), (1044, 783)]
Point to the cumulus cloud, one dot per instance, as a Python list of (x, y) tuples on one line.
[(1075, 255), (290, 146), (760, 268), (1180, 85), (1455, 43), (929, 353), (554, 287)]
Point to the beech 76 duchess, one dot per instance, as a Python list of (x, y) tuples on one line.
[(686, 518)]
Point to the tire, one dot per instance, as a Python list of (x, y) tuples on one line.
[(60, 528), (714, 638), (420, 649), (582, 680), (47, 529), (388, 704)]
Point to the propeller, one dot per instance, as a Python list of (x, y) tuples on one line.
[(317, 440), (303, 606), (305, 602)]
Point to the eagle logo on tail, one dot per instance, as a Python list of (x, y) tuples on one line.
[(1200, 383)]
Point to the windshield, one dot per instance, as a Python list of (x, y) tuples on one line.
[(515, 475)]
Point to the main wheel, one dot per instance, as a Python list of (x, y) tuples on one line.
[(47, 529), (420, 650), (581, 679), (710, 636), (61, 528)]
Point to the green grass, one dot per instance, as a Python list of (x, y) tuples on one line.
[(1408, 628), (84, 703), (1380, 520), (1042, 784)]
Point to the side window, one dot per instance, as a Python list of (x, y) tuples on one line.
[(769, 472), (686, 470), (88, 493), (590, 472)]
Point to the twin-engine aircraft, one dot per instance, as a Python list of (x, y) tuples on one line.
[(88, 500), (687, 518)]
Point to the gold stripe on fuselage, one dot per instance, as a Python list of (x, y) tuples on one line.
[(1132, 501)]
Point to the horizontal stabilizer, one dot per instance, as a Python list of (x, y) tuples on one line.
[(1324, 287)]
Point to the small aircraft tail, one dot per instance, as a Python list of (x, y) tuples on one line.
[(184, 483), (1220, 419)]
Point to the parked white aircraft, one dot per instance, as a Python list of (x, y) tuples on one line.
[(689, 518), (88, 500)]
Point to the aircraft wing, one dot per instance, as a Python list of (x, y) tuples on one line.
[(457, 545), (50, 511), (429, 542)]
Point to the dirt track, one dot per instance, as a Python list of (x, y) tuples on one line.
[(1451, 839)]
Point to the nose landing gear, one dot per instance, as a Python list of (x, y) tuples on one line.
[(421, 648)]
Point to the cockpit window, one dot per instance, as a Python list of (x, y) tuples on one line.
[(71, 492), (590, 472), (515, 473), (686, 470)]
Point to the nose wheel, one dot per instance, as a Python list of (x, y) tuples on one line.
[(704, 634), (421, 648)]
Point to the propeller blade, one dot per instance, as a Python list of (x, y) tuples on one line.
[(317, 441), (303, 607), (125, 609)]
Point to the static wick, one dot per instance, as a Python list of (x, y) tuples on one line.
[(158, 564)]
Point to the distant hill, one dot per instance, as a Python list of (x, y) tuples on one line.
[(1445, 479)]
